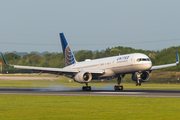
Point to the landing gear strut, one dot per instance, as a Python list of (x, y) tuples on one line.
[(118, 87), (138, 81), (86, 88)]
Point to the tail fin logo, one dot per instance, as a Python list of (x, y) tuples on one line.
[(69, 57)]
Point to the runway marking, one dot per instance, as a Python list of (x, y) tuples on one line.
[(122, 92)]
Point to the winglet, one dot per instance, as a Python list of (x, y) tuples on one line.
[(177, 58), (4, 60)]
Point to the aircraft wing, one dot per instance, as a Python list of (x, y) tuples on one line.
[(167, 65), (59, 71), (46, 69)]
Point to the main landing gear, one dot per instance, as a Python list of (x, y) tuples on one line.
[(118, 87), (86, 88)]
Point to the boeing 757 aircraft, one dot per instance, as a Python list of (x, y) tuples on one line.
[(137, 64)]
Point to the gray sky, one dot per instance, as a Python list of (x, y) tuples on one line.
[(88, 25)]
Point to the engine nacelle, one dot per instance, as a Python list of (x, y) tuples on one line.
[(144, 76), (83, 77)]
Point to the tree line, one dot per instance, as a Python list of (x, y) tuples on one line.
[(164, 56)]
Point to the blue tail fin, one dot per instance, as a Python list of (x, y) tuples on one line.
[(68, 55)]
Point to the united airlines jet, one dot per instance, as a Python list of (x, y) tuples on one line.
[(137, 64)]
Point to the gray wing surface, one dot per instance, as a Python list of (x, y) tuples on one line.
[(163, 66), (59, 70)]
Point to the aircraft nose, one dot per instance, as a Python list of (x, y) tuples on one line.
[(149, 65)]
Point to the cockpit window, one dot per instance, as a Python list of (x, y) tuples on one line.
[(138, 60), (143, 59)]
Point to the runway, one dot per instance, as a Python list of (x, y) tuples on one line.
[(130, 92)]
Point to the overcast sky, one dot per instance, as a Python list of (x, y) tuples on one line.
[(34, 25)]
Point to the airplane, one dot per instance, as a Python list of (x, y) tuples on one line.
[(137, 64)]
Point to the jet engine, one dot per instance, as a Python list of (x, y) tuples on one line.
[(83, 77), (144, 76)]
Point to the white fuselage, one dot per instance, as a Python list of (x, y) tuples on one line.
[(112, 66)]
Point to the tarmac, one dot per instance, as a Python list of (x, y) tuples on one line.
[(127, 92)]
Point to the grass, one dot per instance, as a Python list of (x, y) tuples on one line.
[(18, 107), (87, 107)]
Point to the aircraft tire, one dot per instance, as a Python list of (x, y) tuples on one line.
[(86, 88), (83, 88), (117, 87), (120, 87), (89, 88)]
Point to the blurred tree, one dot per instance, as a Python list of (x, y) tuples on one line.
[(114, 52), (48, 57), (82, 55), (12, 56), (45, 64)]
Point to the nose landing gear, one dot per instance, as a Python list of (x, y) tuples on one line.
[(138, 81)]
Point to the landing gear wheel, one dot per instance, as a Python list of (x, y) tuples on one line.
[(117, 87), (138, 83), (86, 88)]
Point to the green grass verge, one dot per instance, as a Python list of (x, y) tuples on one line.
[(29, 107)]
